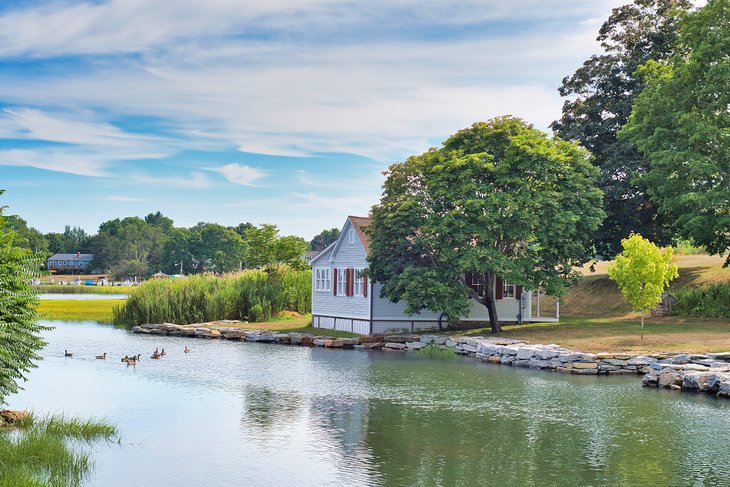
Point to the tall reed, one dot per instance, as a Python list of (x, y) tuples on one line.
[(252, 295)]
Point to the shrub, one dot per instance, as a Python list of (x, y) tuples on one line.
[(706, 302)]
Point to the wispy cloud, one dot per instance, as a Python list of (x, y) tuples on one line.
[(125, 199), (239, 174)]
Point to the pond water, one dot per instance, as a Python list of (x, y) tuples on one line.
[(232, 413), (79, 297)]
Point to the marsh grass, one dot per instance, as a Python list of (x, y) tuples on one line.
[(78, 310), (433, 350), (58, 289), (49, 451), (708, 301), (252, 295)]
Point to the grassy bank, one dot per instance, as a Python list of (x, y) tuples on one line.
[(49, 451), (254, 295), (72, 310), (595, 318), (58, 289)]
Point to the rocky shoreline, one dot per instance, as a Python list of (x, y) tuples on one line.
[(706, 373)]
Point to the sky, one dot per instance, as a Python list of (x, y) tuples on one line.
[(284, 112)]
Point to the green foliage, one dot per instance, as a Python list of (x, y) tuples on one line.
[(498, 199), (265, 247), (704, 302), (599, 96), (19, 340), (252, 295), (681, 123), (642, 272), (434, 350), (325, 238), (27, 237), (49, 451), (685, 247)]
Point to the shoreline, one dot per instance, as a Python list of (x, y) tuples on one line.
[(698, 373)]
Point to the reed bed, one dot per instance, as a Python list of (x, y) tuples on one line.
[(50, 451), (252, 295)]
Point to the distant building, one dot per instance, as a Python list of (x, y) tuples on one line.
[(69, 262), (311, 255)]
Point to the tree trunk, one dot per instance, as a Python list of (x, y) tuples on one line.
[(642, 325), (490, 301)]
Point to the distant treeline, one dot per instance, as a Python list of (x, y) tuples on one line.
[(136, 246), (253, 295)]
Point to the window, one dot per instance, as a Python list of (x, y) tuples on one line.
[(342, 282), (322, 280), (359, 282), (508, 290), (351, 236)]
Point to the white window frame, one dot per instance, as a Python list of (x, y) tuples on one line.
[(358, 283), (342, 282), (351, 236), (322, 279), (509, 290)]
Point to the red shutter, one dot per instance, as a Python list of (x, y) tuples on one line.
[(348, 282), (334, 282), (499, 288), (518, 292), (352, 282), (365, 283)]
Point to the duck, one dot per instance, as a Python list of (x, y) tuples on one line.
[(156, 355), (187, 350), (66, 353), (102, 356), (162, 353)]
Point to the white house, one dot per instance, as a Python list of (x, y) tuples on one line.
[(343, 298)]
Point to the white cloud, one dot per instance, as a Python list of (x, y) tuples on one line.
[(124, 199), (239, 174)]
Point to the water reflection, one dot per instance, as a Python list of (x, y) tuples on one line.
[(252, 414)]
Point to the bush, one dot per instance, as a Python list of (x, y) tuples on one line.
[(253, 295), (706, 302)]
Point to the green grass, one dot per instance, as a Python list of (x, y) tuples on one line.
[(433, 350), (50, 451), (58, 289), (254, 295), (79, 310), (320, 331)]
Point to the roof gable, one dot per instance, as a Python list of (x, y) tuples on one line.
[(358, 223)]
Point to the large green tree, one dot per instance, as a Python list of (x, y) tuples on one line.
[(324, 238), (499, 199), (681, 122), (600, 95), (19, 328)]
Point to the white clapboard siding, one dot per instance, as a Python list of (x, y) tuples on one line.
[(507, 309), (345, 255)]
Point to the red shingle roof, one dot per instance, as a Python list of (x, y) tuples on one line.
[(359, 222)]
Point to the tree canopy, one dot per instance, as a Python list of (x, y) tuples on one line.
[(599, 97), (19, 329), (681, 123), (498, 199), (642, 272), (325, 238)]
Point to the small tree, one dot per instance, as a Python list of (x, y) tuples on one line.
[(19, 340), (642, 272)]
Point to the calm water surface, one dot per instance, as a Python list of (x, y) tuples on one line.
[(254, 414)]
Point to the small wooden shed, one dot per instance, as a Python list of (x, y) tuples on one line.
[(664, 308)]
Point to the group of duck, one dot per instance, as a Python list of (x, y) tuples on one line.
[(131, 359)]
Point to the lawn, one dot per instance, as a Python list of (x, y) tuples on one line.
[(595, 318), (79, 310)]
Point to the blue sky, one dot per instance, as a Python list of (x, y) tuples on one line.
[(229, 111)]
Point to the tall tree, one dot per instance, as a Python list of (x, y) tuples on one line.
[(600, 95), (290, 250), (27, 237), (219, 248), (324, 238), (681, 122), (499, 199), (75, 239), (19, 328)]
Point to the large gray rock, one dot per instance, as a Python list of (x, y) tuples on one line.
[(680, 359), (526, 353), (642, 360), (539, 364)]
